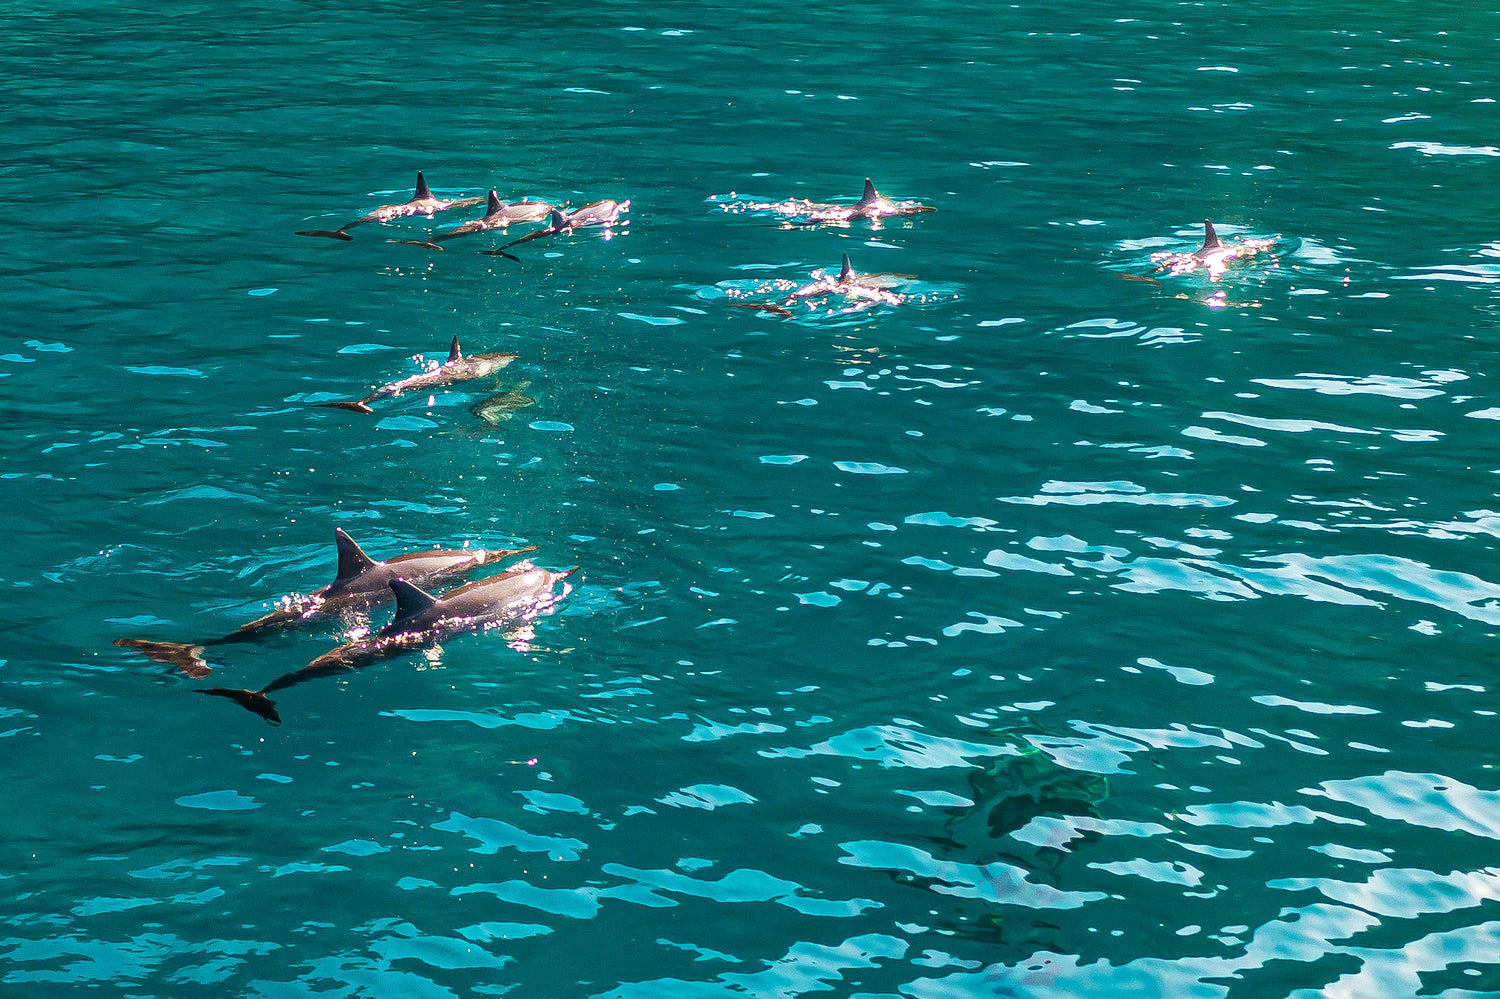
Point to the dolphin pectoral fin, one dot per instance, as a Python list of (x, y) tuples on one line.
[(357, 407), (1143, 278), (185, 656), (329, 233), (429, 244), (501, 253), (250, 700)]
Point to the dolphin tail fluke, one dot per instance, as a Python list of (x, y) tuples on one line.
[(357, 406), (185, 656), (250, 700), (328, 233)]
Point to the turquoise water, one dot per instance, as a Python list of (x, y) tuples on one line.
[(1051, 635)]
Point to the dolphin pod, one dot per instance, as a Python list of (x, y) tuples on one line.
[(457, 368), (360, 584), (512, 598)]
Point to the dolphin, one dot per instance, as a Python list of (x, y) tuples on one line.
[(503, 405), (422, 620), (1213, 256), (863, 291), (422, 202), (605, 213), (872, 205), (360, 584), (458, 368), (498, 215)]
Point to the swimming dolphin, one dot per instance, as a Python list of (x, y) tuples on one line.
[(605, 213), (872, 205), (458, 368), (1213, 256), (422, 202), (862, 291), (360, 584), (503, 405), (498, 215), (513, 597)]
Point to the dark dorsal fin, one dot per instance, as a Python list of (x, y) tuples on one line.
[(871, 195), (423, 191), (352, 558), (454, 354), (1210, 238), (411, 600), (846, 272), (557, 220), (494, 205)]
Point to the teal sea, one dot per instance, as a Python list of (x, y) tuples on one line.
[(1036, 632)]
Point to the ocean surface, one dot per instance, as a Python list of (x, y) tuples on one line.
[(1035, 632)]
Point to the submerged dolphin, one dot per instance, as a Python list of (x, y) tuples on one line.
[(513, 597), (1213, 256), (872, 205), (605, 213), (360, 584), (458, 368), (503, 405), (422, 202), (498, 215)]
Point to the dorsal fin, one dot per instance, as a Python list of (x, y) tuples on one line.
[(1210, 238), (557, 220), (871, 195), (846, 272), (454, 354), (411, 600), (423, 191), (352, 558), (494, 205)]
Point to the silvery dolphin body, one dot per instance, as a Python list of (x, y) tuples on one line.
[(423, 202), (872, 205), (603, 213), (1214, 255), (861, 291), (457, 368), (360, 584), (498, 215), (513, 597)]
